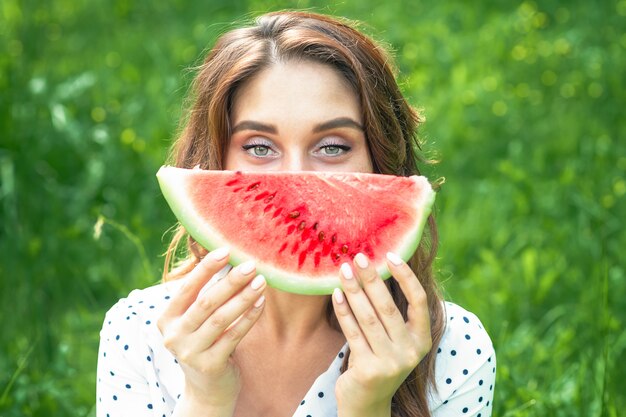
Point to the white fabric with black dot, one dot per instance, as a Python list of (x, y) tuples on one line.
[(138, 377)]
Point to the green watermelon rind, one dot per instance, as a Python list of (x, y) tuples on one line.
[(209, 238)]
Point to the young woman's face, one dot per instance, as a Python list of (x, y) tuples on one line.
[(297, 116)]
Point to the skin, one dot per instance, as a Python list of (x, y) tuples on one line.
[(293, 116)]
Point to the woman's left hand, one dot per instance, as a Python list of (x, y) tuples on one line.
[(384, 348)]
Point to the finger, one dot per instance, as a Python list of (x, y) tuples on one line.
[(194, 281), (349, 326), (363, 311), (380, 298), (213, 296), (418, 315), (226, 317), (226, 344)]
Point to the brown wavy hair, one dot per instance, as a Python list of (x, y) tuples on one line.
[(390, 125)]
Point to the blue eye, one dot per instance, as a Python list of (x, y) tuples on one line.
[(334, 149), (258, 149)]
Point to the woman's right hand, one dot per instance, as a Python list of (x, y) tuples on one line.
[(203, 325)]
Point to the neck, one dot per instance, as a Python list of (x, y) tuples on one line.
[(291, 318)]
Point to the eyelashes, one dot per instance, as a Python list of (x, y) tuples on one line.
[(262, 148), (258, 147)]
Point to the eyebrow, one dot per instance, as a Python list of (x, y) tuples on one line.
[(338, 122), (331, 124), (252, 125)]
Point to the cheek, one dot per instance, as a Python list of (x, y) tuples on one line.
[(364, 160), (230, 159), (367, 165)]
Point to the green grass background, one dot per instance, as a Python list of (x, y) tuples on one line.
[(525, 111)]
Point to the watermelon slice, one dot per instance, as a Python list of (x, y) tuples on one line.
[(300, 227)]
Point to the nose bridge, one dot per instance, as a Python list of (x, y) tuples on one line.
[(295, 159)]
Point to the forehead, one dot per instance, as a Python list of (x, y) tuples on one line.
[(296, 89)]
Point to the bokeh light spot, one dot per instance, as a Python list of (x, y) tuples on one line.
[(548, 78), (468, 97), (540, 20), (608, 201), (595, 89), (619, 187), (139, 145), (128, 136), (562, 15), (37, 85), (113, 59), (562, 46), (98, 114), (490, 83), (499, 108), (519, 52), (522, 90)]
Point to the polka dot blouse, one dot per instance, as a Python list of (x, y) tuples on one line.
[(138, 376)]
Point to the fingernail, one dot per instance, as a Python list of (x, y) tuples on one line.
[(394, 259), (257, 282), (346, 271), (260, 301), (219, 254), (246, 267), (338, 295), (361, 260)]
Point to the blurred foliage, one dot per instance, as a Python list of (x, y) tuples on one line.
[(524, 102)]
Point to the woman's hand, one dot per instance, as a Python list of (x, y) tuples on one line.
[(384, 348), (203, 325)]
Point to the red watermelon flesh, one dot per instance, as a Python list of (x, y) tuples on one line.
[(300, 227)]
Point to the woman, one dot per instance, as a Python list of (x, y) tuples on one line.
[(295, 91)]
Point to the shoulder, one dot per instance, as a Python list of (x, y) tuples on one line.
[(464, 334), (134, 368), (138, 312), (466, 358), (142, 301)]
